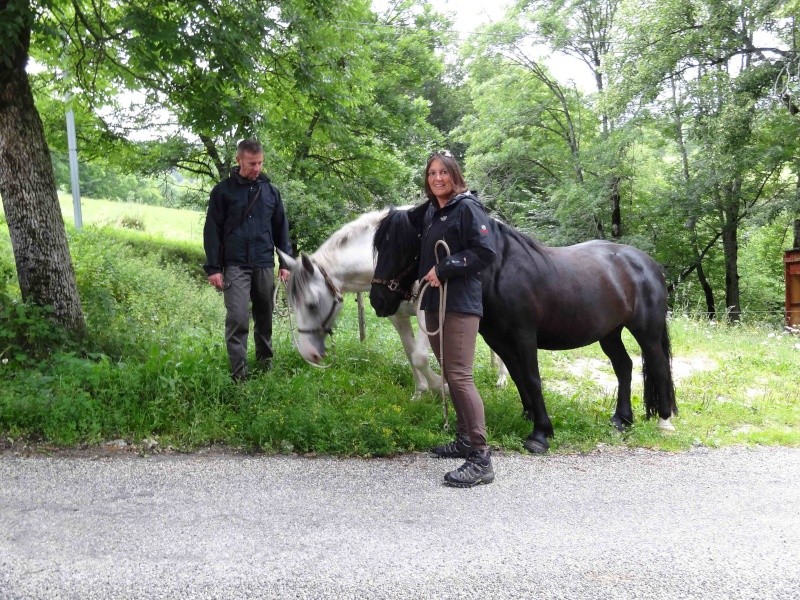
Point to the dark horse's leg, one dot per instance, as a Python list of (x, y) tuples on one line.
[(521, 358), (623, 368)]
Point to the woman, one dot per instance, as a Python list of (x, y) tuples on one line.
[(457, 217)]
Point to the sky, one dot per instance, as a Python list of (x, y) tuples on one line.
[(468, 15)]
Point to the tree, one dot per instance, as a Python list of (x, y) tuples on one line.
[(27, 185), (584, 30), (334, 92), (530, 138), (696, 64)]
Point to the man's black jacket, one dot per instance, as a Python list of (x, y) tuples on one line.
[(231, 240)]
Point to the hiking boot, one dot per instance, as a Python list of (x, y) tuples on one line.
[(478, 469), (263, 366), (458, 448), (240, 376)]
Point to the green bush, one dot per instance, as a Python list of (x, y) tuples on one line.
[(27, 334), (132, 222), (133, 299)]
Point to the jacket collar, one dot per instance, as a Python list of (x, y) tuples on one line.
[(242, 181), (456, 199)]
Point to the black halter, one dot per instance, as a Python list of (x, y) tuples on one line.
[(394, 284), (326, 328)]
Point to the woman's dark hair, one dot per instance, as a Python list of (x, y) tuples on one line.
[(459, 185)]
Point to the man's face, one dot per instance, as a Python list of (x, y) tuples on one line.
[(250, 164)]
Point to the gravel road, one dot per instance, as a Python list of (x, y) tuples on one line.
[(611, 524)]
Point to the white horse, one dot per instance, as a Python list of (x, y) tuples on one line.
[(344, 263)]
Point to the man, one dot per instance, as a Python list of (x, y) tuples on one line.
[(245, 222)]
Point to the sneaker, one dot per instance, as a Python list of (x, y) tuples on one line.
[(458, 448), (478, 469)]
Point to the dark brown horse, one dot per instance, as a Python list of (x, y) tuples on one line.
[(535, 296)]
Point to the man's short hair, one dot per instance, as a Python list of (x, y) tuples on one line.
[(250, 146)]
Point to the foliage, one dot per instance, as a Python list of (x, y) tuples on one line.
[(687, 142), (334, 92), (717, 96), (124, 291), (761, 261), (27, 334)]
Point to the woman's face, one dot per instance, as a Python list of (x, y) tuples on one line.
[(439, 181)]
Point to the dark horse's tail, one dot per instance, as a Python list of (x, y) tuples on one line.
[(658, 380)]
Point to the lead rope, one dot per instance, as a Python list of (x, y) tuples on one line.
[(440, 330), (284, 310)]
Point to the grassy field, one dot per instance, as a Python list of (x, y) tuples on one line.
[(153, 370), (169, 223), (734, 385)]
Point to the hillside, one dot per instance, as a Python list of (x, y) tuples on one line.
[(170, 223)]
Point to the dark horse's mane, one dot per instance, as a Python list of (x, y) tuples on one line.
[(408, 233), (533, 246)]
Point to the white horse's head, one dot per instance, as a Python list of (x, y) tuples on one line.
[(316, 302)]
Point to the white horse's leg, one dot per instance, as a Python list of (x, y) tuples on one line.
[(502, 371), (417, 352)]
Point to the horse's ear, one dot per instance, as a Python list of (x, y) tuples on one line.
[(416, 215), (307, 264), (287, 260)]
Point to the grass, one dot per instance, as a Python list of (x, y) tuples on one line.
[(169, 223), (154, 368)]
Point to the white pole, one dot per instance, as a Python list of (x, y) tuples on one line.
[(72, 145)]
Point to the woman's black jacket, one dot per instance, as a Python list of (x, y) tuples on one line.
[(466, 228)]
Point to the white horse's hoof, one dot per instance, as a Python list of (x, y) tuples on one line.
[(665, 425)]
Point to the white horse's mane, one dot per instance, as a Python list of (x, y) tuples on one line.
[(349, 232), (355, 236)]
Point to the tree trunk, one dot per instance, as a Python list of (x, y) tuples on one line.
[(796, 234), (616, 211), (730, 245), (27, 184), (708, 292)]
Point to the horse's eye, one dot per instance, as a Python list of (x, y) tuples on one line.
[(312, 306)]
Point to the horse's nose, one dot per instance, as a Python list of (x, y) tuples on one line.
[(316, 356), (377, 303)]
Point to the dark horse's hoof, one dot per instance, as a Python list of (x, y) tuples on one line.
[(620, 424), (536, 445)]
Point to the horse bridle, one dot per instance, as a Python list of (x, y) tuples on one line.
[(394, 284), (326, 328)]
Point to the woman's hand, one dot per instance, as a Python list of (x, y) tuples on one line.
[(432, 278)]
